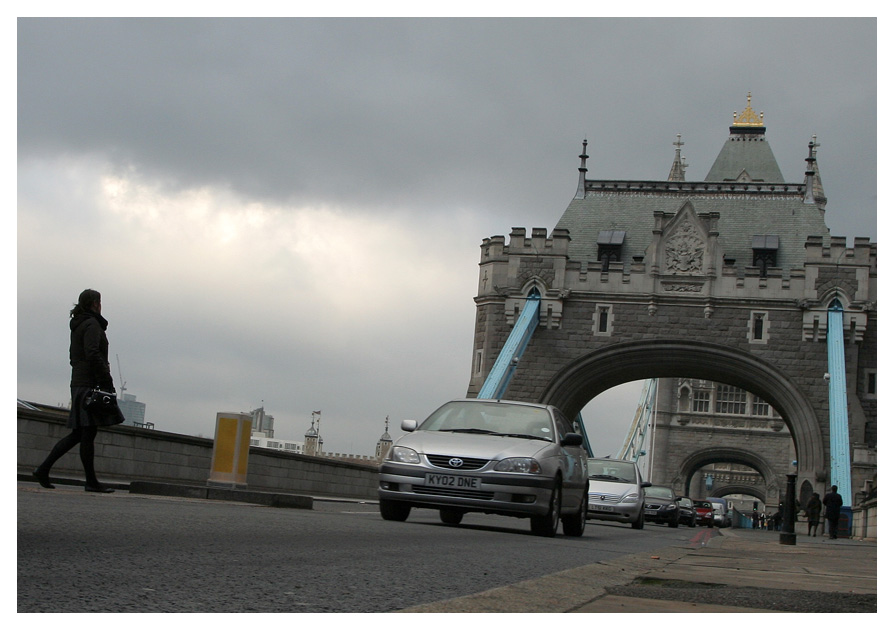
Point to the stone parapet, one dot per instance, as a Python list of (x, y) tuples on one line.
[(143, 454)]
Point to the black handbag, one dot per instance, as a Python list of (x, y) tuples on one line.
[(99, 401)]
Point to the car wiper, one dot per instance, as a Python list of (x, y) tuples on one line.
[(609, 477), (524, 436), (484, 431)]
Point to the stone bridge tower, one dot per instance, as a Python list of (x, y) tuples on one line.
[(727, 280)]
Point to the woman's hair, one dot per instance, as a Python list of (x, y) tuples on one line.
[(85, 302)]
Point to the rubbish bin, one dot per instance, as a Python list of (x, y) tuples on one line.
[(229, 459), (845, 521)]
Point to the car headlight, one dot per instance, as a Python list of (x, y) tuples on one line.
[(630, 498), (403, 455), (519, 465)]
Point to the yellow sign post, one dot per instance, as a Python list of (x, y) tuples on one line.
[(229, 459)]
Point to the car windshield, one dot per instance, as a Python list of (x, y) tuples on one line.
[(703, 504), (659, 492), (685, 502), (491, 418), (612, 470)]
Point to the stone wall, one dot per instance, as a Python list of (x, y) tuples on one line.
[(132, 453)]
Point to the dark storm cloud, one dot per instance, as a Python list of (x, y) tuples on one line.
[(392, 112)]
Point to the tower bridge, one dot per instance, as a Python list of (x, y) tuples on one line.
[(733, 280)]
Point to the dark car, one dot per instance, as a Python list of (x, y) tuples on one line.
[(661, 506), (686, 511), (704, 513)]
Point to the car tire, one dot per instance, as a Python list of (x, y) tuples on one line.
[(640, 522), (451, 517), (674, 522), (548, 524), (574, 525), (692, 523), (393, 510)]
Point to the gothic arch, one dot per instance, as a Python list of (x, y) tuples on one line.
[(587, 377)]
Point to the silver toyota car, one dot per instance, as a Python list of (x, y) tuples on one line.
[(616, 492), (497, 457)]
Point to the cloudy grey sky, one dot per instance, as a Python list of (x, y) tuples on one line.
[(290, 210)]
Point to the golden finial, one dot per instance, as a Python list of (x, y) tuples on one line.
[(748, 117)]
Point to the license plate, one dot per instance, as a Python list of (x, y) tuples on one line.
[(651, 511), (452, 481), (601, 508)]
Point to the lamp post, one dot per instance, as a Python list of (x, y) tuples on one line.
[(787, 536)]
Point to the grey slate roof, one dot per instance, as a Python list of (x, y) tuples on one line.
[(747, 208), (745, 153)]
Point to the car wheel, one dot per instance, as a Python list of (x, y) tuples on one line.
[(640, 522), (574, 525), (394, 510), (674, 522), (548, 524), (692, 522), (451, 517)]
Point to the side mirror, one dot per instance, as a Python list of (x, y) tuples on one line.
[(408, 425), (572, 439), (646, 484)]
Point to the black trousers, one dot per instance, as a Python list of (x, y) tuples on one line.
[(79, 435)]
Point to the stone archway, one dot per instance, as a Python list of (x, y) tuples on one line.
[(585, 378), (772, 478), (757, 493)]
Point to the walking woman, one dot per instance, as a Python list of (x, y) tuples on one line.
[(89, 358)]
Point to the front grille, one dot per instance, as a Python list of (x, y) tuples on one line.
[(605, 498), (469, 463), (454, 492)]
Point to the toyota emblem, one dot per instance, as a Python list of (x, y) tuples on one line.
[(455, 462)]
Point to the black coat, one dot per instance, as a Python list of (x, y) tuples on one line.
[(89, 352), (833, 503)]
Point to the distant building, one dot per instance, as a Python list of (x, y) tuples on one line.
[(384, 443), (261, 423), (134, 411), (289, 446)]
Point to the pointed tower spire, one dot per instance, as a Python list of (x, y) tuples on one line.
[(384, 443), (746, 156), (813, 185), (582, 178), (678, 168)]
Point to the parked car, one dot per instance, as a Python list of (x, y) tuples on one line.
[(704, 513), (616, 492), (497, 457), (686, 511), (661, 506)]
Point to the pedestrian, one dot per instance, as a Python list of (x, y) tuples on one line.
[(89, 358), (813, 510), (763, 520), (777, 520), (833, 503), (754, 519)]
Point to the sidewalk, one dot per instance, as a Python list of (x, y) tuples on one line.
[(737, 571)]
